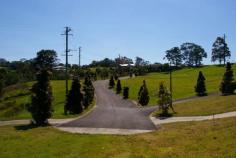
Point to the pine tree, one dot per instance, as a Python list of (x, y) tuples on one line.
[(200, 87), (88, 92), (164, 99), (143, 97), (118, 87), (227, 85), (41, 99), (111, 82), (74, 98), (126, 92)]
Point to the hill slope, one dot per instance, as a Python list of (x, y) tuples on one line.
[(15, 98), (183, 82)]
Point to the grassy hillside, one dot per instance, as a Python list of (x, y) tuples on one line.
[(204, 106), (200, 139), (12, 104), (183, 82)]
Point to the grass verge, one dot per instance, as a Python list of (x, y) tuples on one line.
[(204, 106), (179, 140)]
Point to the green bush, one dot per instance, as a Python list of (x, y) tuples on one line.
[(118, 87), (74, 98), (227, 85), (200, 87), (41, 99), (126, 92), (143, 96)]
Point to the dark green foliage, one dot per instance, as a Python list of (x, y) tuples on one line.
[(11, 78), (2, 79), (118, 87), (116, 77), (41, 99), (193, 54), (174, 56), (164, 99), (45, 59), (74, 98), (103, 63), (126, 92), (143, 96), (227, 85), (1, 86), (111, 82), (88, 92), (220, 50), (200, 87)]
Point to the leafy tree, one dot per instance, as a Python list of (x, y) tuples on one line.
[(74, 98), (41, 99), (141, 62), (220, 50), (88, 92), (123, 60), (193, 54), (143, 96), (103, 63), (126, 92), (164, 99), (111, 82), (174, 56), (118, 87), (46, 59), (227, 85), (200, 87)]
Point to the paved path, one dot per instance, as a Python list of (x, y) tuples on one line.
[(113, 112), (164, 120)]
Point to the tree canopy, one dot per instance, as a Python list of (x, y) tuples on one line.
[(174, 56), (220, 50), (193, 54), (46, 59)]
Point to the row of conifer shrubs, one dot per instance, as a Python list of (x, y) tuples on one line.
[(78, 100)]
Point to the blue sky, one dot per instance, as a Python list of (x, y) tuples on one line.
[(107, 28)]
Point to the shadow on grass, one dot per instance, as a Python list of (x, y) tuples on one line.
[(28, 127)]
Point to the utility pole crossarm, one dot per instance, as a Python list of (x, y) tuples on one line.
[(68, 29)]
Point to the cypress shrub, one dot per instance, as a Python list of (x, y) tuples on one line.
[(200, 87), (143, 96), (88, 92), (74, 98), (118, 87), (126, 92), (111, 82), (227, 85), (41, 99)]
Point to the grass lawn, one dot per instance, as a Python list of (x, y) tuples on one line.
[(205, 106), (179, 140), (183, 82), (12, 102)]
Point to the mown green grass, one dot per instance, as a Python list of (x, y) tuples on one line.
[(12, 105), (204, 106), (183, 82), (179, 140)]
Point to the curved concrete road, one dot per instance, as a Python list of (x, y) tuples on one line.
[(113, 112)]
